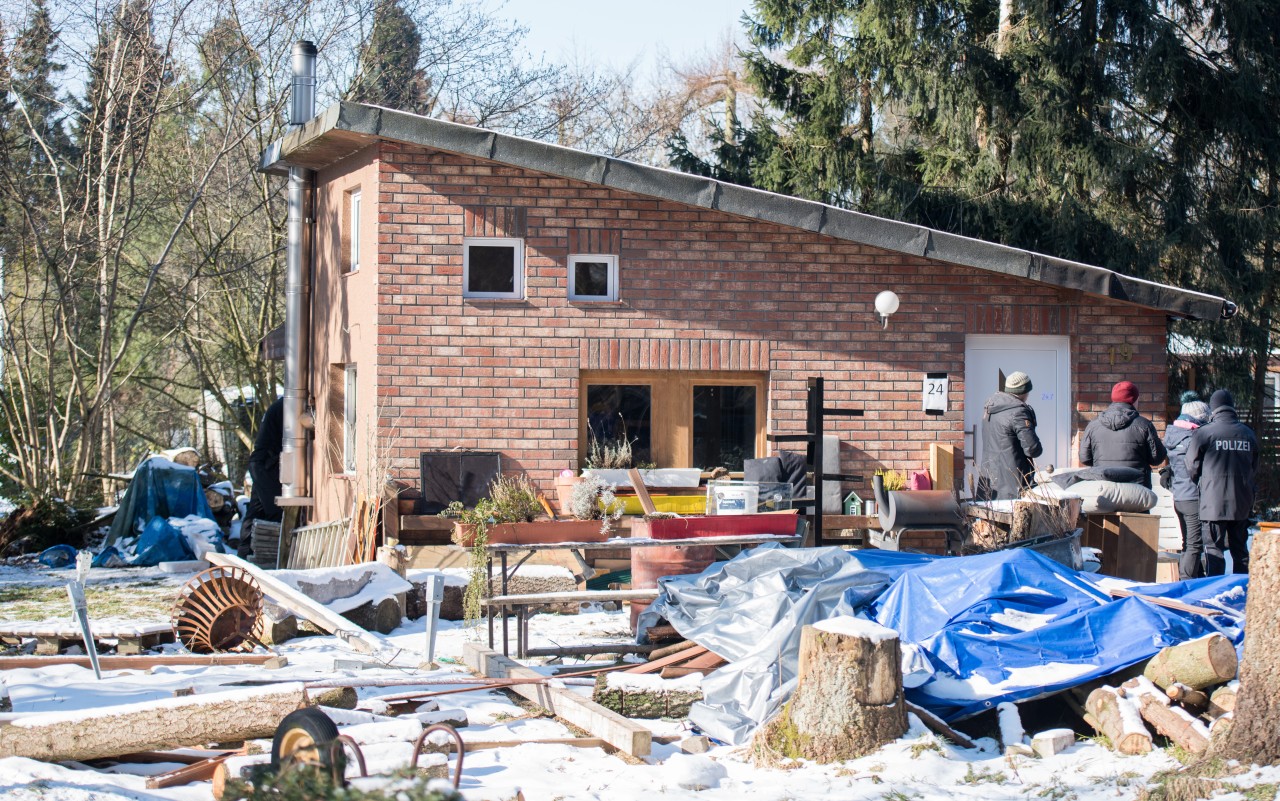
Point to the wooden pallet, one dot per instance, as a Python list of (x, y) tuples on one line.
[(54, 638)]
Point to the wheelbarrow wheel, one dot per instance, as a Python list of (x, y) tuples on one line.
[(305, 737)]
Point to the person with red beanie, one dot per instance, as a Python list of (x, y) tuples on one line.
[(1120, 437)]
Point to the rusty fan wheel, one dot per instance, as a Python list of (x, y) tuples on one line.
[(218, 610)]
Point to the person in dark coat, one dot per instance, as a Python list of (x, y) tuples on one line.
[(1120, 437), (1186, 495), (1223, 459), (264, 468), (1009, 441)]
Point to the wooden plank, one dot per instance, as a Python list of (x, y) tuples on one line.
[(584, 596), (133, 662), (642, 493), (628, 737), (942, 465), (301, 605), (1168, 603), (674, 659), (195, 772), (838, 522)]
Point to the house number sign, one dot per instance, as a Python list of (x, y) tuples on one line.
[(935, 393)]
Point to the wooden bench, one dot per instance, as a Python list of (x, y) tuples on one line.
[(520, 605)]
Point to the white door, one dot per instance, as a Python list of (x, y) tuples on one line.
[(989, 357)]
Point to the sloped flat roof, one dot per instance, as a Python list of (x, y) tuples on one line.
[(344, 128)]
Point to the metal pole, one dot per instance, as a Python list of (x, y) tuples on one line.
[(433, 597), (80, 608), (297, 286)]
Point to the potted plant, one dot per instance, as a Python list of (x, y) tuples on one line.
[(592, 499)]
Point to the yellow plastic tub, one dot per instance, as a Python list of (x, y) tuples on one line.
[(680, 504)]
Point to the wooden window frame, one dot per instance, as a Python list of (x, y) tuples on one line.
[(517, 265), (611, 260), (671, 407)]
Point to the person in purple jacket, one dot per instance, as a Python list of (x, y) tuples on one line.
[(1186, 495)]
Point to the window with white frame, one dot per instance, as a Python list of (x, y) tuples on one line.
[(492, 267), (593, 277), (349, 420), (349, 237)]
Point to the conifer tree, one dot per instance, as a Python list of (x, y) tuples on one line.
[(389, 73)]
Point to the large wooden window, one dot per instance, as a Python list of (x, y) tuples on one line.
[(676, 419)]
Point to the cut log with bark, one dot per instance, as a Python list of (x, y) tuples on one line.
[(848, 698), (1223, 700), (1119, 720), (1204, 662), (1172, 721), (1194, 701), (1251, 737), (150, 725)]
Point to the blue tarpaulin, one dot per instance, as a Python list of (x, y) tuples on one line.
[(160, 488), (975, 630)]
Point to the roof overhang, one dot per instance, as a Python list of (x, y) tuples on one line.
[(346, 128)]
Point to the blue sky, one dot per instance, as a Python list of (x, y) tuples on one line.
[(616, 32)]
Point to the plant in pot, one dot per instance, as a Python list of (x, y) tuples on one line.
[(512, 499), (593, 498)]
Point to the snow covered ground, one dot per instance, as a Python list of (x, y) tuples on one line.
[(919, 766)]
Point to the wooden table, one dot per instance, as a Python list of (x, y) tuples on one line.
[(503, 550)]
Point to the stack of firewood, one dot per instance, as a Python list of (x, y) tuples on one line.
[(1187, 693)]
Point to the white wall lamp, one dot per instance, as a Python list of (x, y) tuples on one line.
[(886, 305)]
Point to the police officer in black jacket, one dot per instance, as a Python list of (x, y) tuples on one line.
[(1222, 459)]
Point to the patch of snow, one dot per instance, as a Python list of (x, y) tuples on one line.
[(652, 682), (369, 582), (849, 626), (692, 772), (1021, 620)]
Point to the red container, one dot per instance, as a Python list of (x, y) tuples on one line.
[(650, 564), (678, 528)]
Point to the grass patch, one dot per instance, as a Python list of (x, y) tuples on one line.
[(983, 776), (136, 600), (925, 743)]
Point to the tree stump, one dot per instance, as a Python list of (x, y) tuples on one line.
[(1205, 662), (848, 700), (1252, 734)]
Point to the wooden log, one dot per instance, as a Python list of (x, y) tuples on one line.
[(628, 737), (1251, 738), (1199, 663), (1172, 721), (848, 699), (1223, 700), (938, 726), (1194, 701), (305, 607), (148, 725), (1119, 720), (672, 649)]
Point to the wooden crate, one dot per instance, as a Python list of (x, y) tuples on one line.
[(1129, 542)]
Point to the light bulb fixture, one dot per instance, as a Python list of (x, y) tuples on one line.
[(886, 304)]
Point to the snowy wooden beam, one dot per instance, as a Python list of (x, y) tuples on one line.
[(625, 735)]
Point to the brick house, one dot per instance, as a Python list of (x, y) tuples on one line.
[(480, 291)]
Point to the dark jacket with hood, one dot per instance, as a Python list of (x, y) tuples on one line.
[(1223, 459), (1177, 438), (1009, 443), (1120, 437)]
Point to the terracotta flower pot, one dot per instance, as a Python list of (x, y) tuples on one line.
[(535, 533)]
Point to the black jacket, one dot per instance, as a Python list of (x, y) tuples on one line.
[(1120, 437), (1222, 459), (1009, 443)]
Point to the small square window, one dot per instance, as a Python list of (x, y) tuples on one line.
[(593, 277), (493, 268)]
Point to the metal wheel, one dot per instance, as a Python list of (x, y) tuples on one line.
[(218, 610), (306, 737)]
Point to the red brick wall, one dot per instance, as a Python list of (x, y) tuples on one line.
[(700, 290)]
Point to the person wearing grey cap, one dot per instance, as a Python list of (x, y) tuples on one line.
[(1009, 441), (1186, 495), (1223, 459)]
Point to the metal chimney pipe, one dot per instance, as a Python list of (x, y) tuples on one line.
[(297, 285)]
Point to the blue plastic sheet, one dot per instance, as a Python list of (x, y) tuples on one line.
[(160, 488), (975, 631)]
